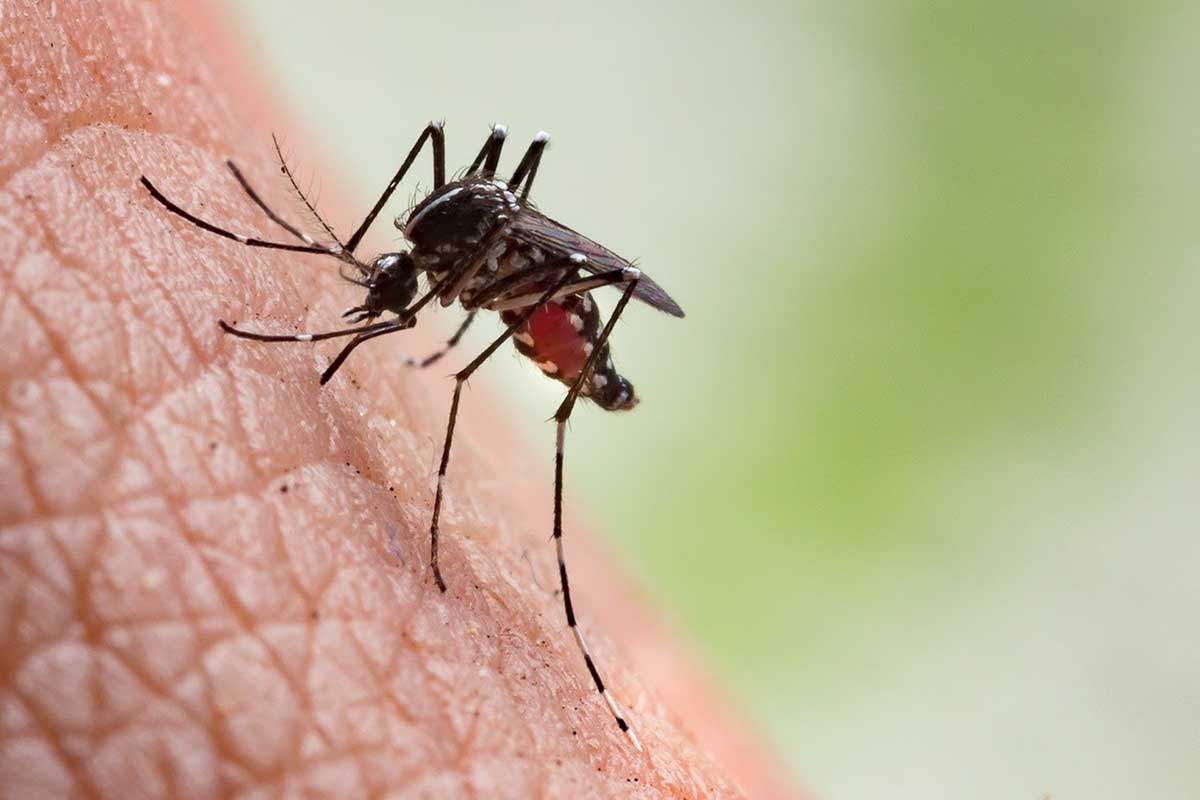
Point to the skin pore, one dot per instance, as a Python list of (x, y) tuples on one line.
[(213, 572)]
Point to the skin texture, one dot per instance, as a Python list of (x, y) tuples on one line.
[(213, 574)]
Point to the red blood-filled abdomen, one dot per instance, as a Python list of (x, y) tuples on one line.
[(556, 341)]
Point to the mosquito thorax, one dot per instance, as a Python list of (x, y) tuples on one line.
[(451, 222), (392, 284)]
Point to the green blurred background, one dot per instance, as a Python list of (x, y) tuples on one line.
[(919, 469)]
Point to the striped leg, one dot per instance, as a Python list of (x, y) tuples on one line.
[(527, 170), (561, 416), (432, 132), (251, 241), (489, 154), (408, 361), (459, 379)]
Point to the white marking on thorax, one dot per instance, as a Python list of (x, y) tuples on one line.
[(516, 261), (493, 256), (412, 223)]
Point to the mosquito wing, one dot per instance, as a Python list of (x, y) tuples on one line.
[(534, 228)]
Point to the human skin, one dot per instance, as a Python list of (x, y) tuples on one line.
[(213, 572)]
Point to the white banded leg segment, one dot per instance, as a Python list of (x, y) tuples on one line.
[(377, 327), (613, 706), (459, 379)]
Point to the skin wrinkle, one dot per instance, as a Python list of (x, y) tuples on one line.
[(59, 344)]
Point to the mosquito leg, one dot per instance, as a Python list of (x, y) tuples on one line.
[(436, 356), (582, 285), (489, 154), (561, 416), (459, 379), (489, 292), (307, 337), (258, 201), (529, 164), (237, 237), (341, 357), (494, 296), (432, 131), (471, 265), (404, 321)]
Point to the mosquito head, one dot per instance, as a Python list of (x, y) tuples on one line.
[(392, 284)]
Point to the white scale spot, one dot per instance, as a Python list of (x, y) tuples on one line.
[(588, 347), (577, 322), (587, 303), (524, 338), (577, 258), (162, 79), (304, 337), (241, 238), (548, 367), (599, 380)]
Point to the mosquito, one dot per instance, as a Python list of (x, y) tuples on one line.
[(478, 240)]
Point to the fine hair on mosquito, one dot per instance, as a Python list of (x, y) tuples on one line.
[(478, 241)]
